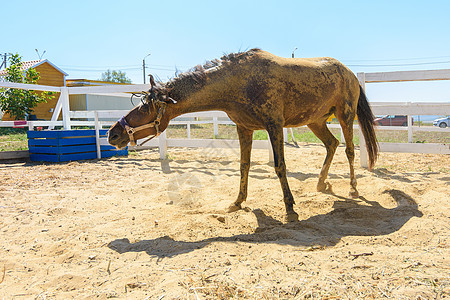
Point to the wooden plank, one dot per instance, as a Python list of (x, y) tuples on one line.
[(14, 124), (400, 76), (43, 142), (213, 143), (416, 108), (61, 142), (76, 133), (65, 109), (103, 142), (101, 114), (44, 157), (5, 155), (109, 89), (56, 111), (363, 154), (46, 123), (33, 87), (77, 141), (62, 150), (199, 143), (415, 148), (97, 136), (123, 152), (77, 156), (64, 133), (108, 148), (43, 134), (49, 75)]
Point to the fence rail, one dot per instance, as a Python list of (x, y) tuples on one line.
[(99, 119), (408, 109)]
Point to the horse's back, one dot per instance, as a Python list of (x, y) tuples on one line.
[(310, 89)]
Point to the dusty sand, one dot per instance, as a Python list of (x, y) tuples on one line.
[(139, 228)]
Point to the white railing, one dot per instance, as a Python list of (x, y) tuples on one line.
[(63, 102), (97, 121), (408, 109)]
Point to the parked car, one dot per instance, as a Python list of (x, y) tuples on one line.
[(442, 122), (392, 120)]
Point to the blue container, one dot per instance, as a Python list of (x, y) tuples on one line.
[(68, 145)]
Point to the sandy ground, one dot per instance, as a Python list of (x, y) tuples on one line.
[(140, 228)]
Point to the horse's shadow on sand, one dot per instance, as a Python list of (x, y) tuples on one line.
[(348, 218)]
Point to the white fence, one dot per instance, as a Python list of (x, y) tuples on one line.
[(408, 109), (97, 119)]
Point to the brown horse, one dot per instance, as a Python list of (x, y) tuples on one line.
[(259, 90)]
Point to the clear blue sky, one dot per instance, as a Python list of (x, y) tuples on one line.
[(84, 38)]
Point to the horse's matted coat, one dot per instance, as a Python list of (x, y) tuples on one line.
[(259, 90)]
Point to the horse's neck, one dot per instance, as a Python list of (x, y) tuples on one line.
[(200, 101), (195, 106)]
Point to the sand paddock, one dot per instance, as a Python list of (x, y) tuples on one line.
[(140, 228)]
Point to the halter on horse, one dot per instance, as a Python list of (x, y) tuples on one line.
[(158, 105)]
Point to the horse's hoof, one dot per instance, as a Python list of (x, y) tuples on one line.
[(291, 217), (353, 194), (324, 187), (234, 207)]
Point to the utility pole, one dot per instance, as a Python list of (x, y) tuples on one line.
[(4, 61), (293, 52), (143, 65)]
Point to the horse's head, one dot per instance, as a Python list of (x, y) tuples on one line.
[(146, 119)]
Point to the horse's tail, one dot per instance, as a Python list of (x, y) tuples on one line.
[(365, 119)]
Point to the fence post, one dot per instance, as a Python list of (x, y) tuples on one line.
[(363, 155), (188, 127), (216, 127), (285, 135), (97, 135), (292, 135), (342, 136), (270, 149), (65, 107), (162, 145), (56, 111), (410, 129)]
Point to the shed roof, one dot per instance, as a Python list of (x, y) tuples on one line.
[(33, 64)]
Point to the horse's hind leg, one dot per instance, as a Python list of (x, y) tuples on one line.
[(347, 129), (323, 133), (245, 142)]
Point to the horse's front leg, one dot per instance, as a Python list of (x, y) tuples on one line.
[(245, 142), (276, 138)]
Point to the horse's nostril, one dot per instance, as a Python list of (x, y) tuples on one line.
[(113, 137)]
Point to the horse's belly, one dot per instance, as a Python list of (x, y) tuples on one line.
[(296, 117), (247, 120)]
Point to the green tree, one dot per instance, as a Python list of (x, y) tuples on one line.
[(115, 76), (20, 103)]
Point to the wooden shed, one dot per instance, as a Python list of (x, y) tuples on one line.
[(51, 75), (120, 101)]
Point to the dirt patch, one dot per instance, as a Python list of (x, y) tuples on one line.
[(140, 228)]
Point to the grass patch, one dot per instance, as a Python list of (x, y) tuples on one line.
[(260, 135), (13, 139)]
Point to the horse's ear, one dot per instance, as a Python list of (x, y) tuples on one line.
[(152, 80), (171, 100)]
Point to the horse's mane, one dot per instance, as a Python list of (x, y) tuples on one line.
[(195, 77)]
